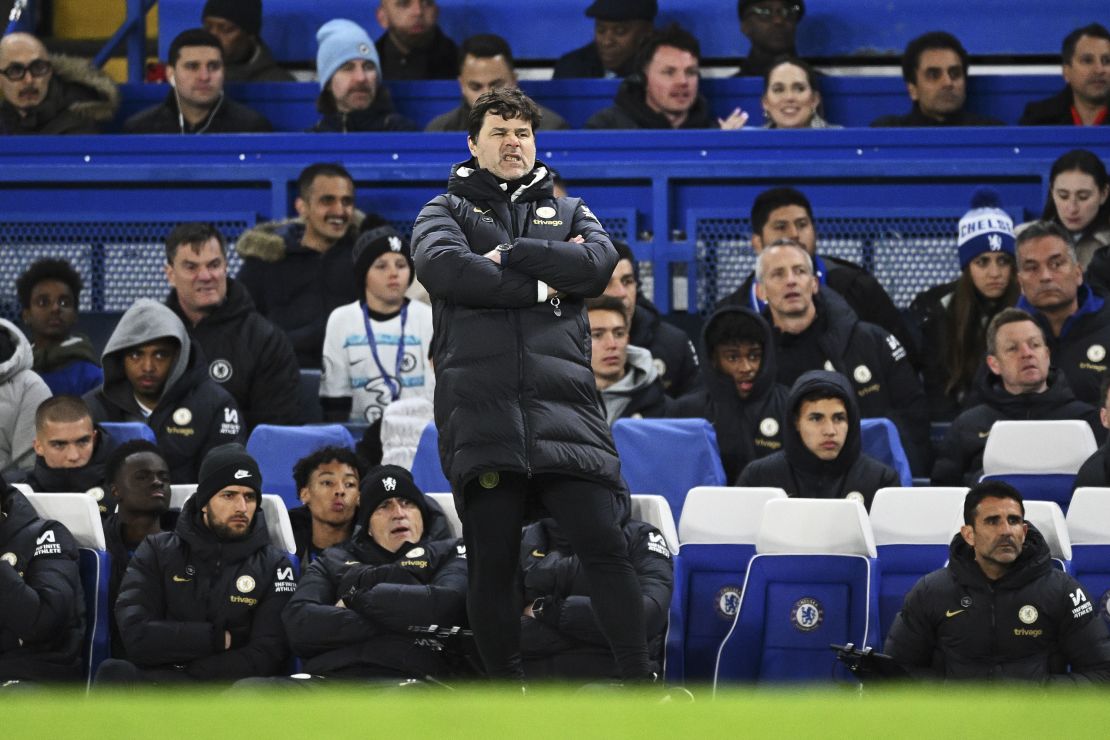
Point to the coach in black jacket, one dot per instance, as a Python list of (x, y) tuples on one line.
[(42, 610), (1000, 611), (508, 267), (356, 602), (805, 468), (204, 602)]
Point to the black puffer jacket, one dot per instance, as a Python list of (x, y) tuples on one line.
[(960, 456), (1029, 625), (514, 387), (88, 478), (419, 585), (250, 357), (121, 555), (673, 352), (42, 610), (184, 589), (802, 474), (749, 428), (564, 639)]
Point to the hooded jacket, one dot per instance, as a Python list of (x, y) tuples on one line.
[(563, 638), (79, 100), (1029, 625), (801, 473), (673, 352), (226, 117), (21, 392), (248, 356), (515, 390), (194, 413), (42, 610), (630, 111), (70, 368), (749, 428), (960, 456), (89, 478), (639, 393), (185, 589), (295, 287), (421, 584), (1052, 111), (1081, 350)]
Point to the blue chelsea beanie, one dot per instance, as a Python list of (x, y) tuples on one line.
[(985, 228), (338, 42)]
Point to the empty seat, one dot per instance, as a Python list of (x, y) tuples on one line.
[(879, 439), (447, 502), (180, 493), (1039, 458), (1047, 517), (656, 511), (1088, 523), (277, 449), (427, 472)]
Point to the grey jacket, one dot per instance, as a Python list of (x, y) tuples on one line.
[(21, 392)]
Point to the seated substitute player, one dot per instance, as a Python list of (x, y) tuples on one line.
[(625, 376), (70, 451), (1095, 470), (356, 602), (999, 610), (21, 392), (327, 485)]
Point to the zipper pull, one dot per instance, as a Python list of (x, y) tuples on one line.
[(555, 305)]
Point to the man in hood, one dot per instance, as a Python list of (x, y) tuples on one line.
[(356, 603), (1020, 385), (999, 610), (21, 392), (821, 455), (70, 451), (204, 602), (42, 610), (153, 374), (624, 374), (742, 397)]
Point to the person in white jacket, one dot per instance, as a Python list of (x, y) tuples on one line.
[(21, 392)]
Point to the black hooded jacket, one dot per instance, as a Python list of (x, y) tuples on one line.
[(184, 589), (42, 610), (563, 639), (419, 585), (120, 555), (630, 111), (802, 474), (960, 456), (1029, 625), (248, 356), (514, 388), (89, 478), (749, 428), (672, 350)]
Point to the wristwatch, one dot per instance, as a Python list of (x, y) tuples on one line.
[(504, 247), (538, 605)]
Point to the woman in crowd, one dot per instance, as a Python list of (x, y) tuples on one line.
[(790, 96), (1077, 200)]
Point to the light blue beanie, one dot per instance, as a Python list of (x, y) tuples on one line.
[(338, 42)]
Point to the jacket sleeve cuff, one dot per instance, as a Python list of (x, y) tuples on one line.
[(541, 291)]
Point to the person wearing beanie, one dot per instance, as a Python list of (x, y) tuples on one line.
[(413, 46), (352, 96), (952, 318), (770, 27), (619, 27), (247, 58), (352, 614), (204, 602), (376, 348), (1020, 385), (821, 455)]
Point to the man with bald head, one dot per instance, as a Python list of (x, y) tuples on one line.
[(50, 95)]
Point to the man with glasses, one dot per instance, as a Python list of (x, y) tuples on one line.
[(770, 26), (44, 95)]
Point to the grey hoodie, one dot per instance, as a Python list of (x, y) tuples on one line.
[(21, 392), (634, 394), (144, 322)]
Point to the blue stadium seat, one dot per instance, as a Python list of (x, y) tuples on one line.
[(668, 457), (80, 515), (1047, 517), (717, 535), (813, 581), (277, 448), (913, 528), (426, 469), (124, 431), (1088, 523), (1039, 458), (880, 440)]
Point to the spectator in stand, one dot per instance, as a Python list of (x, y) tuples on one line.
[(196, 103), (485, 63), (619, 27), (352, 96), (21, 392), (790, 96), (250, 357), (327, 486), (1020, 385), (1095, 470), (953, 317), (413, 46), (934, 67), (49, 294), (298, 271), (662, 91), (70, 451), (1079, 200), (770, 26), (624, 374), (1085, 99), (237, 23), (44, 94)]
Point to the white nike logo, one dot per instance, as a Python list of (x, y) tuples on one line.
[(239, 474)]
